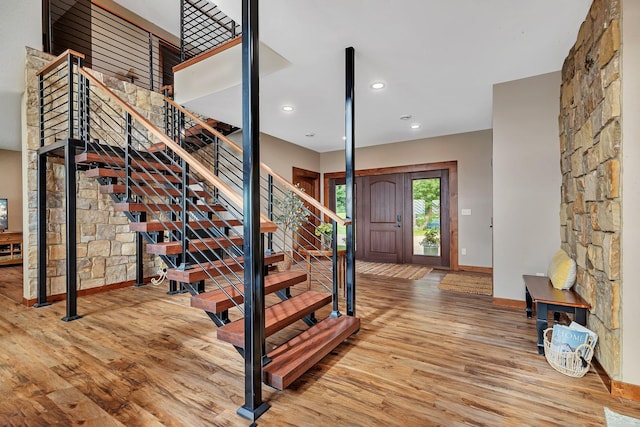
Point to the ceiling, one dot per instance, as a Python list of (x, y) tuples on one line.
[(439, 60)]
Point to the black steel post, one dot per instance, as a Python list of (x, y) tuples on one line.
[(70, 190), (349, 168), (70, 93), (270, 212), (46, 26), (139, 261), (151, 61), (42, 230), (254, 308), (127, 157), (334, 261), (182, 55), (186, 260)]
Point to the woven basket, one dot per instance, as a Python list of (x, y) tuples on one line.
[(573, 363)]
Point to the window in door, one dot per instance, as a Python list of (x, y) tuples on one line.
[(425, 222)]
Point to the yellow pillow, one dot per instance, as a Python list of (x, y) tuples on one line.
[(562, 270)]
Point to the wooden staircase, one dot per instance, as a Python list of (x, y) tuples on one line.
[(155, 180)]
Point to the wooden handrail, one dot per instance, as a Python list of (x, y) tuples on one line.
[(59, 60), (265, 226), (208, 53), (313, 202)]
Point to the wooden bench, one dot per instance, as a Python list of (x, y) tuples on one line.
[(540, 290)]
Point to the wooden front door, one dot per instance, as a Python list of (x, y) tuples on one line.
[(309, 181), (382, 221)]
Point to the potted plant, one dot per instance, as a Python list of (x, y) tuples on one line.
[(289, 213), (325, 231), (431, 242)]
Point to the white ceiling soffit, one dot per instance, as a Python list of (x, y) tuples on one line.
[(219, 72), (20, 26), (439, 60)]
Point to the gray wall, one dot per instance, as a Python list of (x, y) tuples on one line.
[(472, 151), (526, 180), (630, 184)]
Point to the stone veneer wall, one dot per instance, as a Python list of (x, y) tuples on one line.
[(590, 144), (106, 248)]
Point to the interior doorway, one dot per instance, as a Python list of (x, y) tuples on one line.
[(309, 181), (404, 215)]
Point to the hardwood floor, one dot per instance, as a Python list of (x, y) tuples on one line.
[(423, 357)]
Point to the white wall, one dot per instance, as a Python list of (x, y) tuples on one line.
[(631, 198), (526, 180), (472, 151)]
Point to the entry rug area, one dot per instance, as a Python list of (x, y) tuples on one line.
[(401, 271), (468, 283)]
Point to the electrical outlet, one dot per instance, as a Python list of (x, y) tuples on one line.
[(465, 212), (463, 251)]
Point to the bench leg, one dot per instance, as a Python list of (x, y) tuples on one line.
[(529, 303), (541, 324), (581, 316)]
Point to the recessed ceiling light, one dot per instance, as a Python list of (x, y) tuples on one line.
[(287, 108), (405, 117), (377, 85), (310, 134), (344, 138), (415, 126)]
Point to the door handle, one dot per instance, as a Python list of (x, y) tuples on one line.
[(398, 225)]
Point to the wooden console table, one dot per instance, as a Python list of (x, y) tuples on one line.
[(11, 248), (547, 298)]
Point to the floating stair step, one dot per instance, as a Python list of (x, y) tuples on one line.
[(292, 359), (278, 316), (164, 207), (154, 178), (217, 301), (203, 244), (157, 147), (215, 268), (136, 162), (145, 190), (152, 226)]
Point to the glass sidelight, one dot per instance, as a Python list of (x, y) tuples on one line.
[(427, 232)]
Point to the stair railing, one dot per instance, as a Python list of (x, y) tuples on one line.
[(203, 26), (147, 183), (318, 253)]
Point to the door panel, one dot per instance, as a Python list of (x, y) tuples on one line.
[(382, 225)]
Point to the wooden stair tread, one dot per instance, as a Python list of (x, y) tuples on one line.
[(149, 165), (163, 207), (292, 359), (203, 244), (215, 268), (147, 190), (152, 226), (278, 316), (216, 301), (139, 176)]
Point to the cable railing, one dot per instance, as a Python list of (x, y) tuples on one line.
[(169, 186), (204, 26), (307, 232)]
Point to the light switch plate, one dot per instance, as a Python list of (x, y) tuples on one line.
[(466, 212)]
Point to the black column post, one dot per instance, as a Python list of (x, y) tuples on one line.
[(42, 207), (350, 162), (42, 231), (70, 190), (253, 275), (139, 260)]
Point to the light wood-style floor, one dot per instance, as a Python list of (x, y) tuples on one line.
[(423, 357)]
